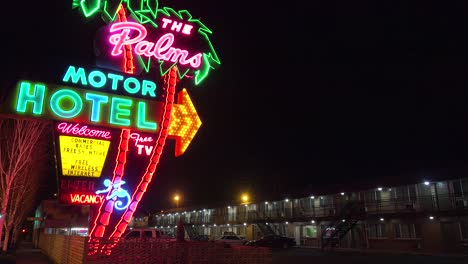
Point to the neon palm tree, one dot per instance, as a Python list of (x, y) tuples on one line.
[(144, 12)]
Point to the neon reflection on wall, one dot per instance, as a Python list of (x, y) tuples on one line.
[(116, 192)]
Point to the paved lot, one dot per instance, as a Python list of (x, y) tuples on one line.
[(313, 256), (25, 254)]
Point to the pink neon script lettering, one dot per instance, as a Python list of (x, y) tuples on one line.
[(139, 139), (161, 50), (77, 129)]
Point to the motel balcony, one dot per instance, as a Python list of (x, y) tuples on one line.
[(443, 198)]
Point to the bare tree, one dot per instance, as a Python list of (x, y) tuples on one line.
[(20, 152)]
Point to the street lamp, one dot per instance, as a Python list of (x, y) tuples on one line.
[(245, 198), (177, 199)]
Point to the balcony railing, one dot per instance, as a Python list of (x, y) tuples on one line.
[(429, 204)]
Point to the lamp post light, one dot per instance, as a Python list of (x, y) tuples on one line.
[(176, 200), (245, 198)]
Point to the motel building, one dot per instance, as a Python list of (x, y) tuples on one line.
[(426, 217)]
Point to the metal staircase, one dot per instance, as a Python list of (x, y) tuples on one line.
[(192, 232), (265, 228), (349, 215)]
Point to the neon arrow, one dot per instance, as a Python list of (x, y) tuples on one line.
[(184, 122)]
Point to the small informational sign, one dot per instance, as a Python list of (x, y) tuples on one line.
[(82, 157), (82, 154)]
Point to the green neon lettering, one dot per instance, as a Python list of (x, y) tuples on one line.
[(102, 79), (36, 97), (75, 75), (135, 88), (141, 118), (62, 96), (96, 101), (117, 111), (115, 79), (148, 87)]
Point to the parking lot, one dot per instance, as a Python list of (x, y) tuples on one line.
[(315, 256)]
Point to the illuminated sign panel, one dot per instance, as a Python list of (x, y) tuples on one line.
[(91, 106), (82, 156), (83, 199)]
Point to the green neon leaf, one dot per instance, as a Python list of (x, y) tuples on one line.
[(76, 3), (90, 7), (200, 75), (145, 63), (110, 10), (153, 7)]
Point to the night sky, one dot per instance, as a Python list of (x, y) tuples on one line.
[(311, 97)]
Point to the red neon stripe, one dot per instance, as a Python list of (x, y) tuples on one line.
[(103, 217), (128, 52), (170, 80), (99, 227)]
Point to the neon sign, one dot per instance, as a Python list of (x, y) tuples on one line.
[(167, 26), (82, 156), (77, 185), (85, 198), (138, 140), (67, 103), (98, 79), (140, 34), (78, 129), (116, 192), (161, 50)]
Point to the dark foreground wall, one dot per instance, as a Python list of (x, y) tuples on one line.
[(70, 250)]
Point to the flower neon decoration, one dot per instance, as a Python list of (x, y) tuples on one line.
[(148, 13)]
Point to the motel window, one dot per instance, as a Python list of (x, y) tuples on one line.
[(309, 231), (369, 197), (412, 192), (306, 204), (464, 229), (406, 231), (378, 195), (457, 188), (326, 201), (207, 231), (241, 230), (464, 186), (377, 230), (402, 193)]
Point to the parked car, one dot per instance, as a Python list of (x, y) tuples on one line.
[(145, 234), (273, 241), (232, 240)]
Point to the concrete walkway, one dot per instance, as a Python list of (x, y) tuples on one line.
[(25, 254)]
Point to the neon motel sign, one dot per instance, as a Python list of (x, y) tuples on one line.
[(140, 36), (91, 106)]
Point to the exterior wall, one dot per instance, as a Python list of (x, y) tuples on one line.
[(63, 249), (404, 211), (432, 234)]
